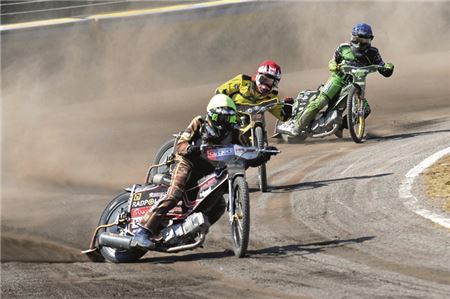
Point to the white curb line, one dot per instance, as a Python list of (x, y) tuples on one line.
[(411, 201)]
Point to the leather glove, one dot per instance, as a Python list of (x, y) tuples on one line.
[(192, 150), (389, 66), (340, 65), (272, 148), (288, 100), (266, 156), (287, 109)]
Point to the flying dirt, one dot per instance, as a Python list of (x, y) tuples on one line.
[(85, 108)]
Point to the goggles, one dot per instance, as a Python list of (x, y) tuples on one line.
[(223, 116), (268, 80), (356, 40)]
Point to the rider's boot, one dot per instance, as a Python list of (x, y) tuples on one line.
[(291, 130), (143, 239), (340, 131)]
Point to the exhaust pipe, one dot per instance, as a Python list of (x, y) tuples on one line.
[(114, 240), (189, 246)]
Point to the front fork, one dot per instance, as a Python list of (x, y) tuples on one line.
[(230, 200)]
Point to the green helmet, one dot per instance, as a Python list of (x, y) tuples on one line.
[(221, 111)]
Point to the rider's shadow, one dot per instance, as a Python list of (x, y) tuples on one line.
[(169, 259), (269, 252), (318, 184), (374, 137), (304, 249)]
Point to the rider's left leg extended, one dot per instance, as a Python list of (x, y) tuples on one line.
[(331, 88)]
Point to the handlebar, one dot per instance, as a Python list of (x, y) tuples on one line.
[(259, 108), (351, 69), (269, 151)]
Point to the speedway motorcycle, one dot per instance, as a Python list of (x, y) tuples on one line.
[(186, 225), (252, 133), (350, 101)]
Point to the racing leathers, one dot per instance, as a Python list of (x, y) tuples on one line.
[(243, 91), (344, 54), (190, 167)]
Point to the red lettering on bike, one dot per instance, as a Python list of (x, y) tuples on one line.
[(139, 212)]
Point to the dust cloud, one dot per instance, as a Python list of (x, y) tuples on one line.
[(83, 102), (86, 107)]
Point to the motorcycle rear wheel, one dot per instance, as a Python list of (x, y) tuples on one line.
[(355, 115), (240, 226), (108, 216), (262, 170)]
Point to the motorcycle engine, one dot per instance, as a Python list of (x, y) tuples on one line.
[(324, 122), (187, 230)]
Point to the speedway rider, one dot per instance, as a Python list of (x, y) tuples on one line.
[(263, 86), (220, 127), (358, 52)]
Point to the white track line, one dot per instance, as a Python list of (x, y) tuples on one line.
[(124, 14), (411, 201)]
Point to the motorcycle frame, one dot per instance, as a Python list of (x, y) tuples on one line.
[(255, 119), (359, 76), (191, 205), (358, 81), (235, 168)]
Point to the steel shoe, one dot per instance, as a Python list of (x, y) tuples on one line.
[(292, 130), (142, 239)]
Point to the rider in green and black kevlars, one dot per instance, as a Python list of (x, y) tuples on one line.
[(358, 52)]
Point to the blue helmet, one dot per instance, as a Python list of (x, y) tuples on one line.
[(362, 30)]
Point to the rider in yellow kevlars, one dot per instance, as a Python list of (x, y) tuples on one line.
[(263, 86)]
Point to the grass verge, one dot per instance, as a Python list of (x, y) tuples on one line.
[(437, 182)]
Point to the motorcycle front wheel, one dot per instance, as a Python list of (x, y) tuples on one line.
[(109, 215), (355, 115), (240, 226), (262, 171)]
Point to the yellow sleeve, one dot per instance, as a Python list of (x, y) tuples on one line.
[(231, 86), (277, 111)]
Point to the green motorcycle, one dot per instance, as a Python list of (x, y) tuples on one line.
[(327, 122)]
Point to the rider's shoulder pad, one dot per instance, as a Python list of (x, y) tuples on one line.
[(198, 118), (373, 50), (344, 45), (246, 77)]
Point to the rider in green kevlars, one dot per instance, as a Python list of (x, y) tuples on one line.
[(358, 52)]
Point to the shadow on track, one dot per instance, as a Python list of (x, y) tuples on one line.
[(403, 136), (304, 249), (317, 184), (169, 259), (275, 251)]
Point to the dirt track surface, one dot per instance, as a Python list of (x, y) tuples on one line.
[(333, 225)]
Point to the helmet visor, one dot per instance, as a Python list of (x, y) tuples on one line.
[(268, 80), (223, 116)]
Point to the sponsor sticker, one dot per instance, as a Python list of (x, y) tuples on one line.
[(139, 212), (143, 203)]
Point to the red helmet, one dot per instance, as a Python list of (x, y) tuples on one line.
[(268, 76)]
